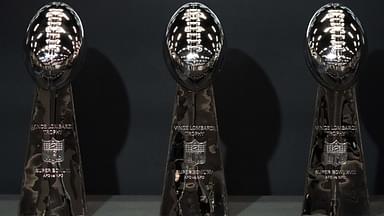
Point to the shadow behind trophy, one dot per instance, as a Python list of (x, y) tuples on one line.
[(370, 86), (249, 121), (103, 117)]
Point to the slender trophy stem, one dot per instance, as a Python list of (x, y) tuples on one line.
[(193, 108), (52, 106)]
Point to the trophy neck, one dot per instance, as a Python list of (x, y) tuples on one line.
[(53, 104), (335, 103), (196, 104)]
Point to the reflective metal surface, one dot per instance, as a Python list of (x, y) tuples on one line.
[(53, 178), (335, 180), (194, 42), (53, 43), (336, 42), (194, 180)]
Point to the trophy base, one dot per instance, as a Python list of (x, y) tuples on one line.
[(336, 180), (194, 181), (53, 179)]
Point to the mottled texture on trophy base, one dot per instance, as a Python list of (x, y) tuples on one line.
[(194, 181), (53, 178), (336, 182)]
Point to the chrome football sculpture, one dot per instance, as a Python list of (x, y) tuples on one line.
[(194, 44)]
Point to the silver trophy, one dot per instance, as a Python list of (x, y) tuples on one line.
[(335, 179), (53, 178), (194, 180)]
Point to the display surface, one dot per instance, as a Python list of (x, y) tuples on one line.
[(336, 182), (149, 205), (194, 180), (53, 179)]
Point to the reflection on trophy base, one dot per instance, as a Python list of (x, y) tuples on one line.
[(336, 182), (53, 179), (194, 183)]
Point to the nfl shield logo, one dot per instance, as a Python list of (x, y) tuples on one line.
[(335, 153), (53, 150), (194, 152)]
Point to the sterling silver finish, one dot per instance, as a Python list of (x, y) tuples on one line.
[(335, 179), (336, 42), (194, 42), (54, 39), (194, 179), (53, 182)]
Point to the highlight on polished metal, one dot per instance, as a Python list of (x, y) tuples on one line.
[(336, 42), (194, 43), (335, 182), (53, 43)]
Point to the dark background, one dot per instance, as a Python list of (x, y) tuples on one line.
[(124, 95)]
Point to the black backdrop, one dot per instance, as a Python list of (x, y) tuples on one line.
[(124, 95)]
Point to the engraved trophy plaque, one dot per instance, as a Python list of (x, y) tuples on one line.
[(335, 179), (194, 179), (53, 178)]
